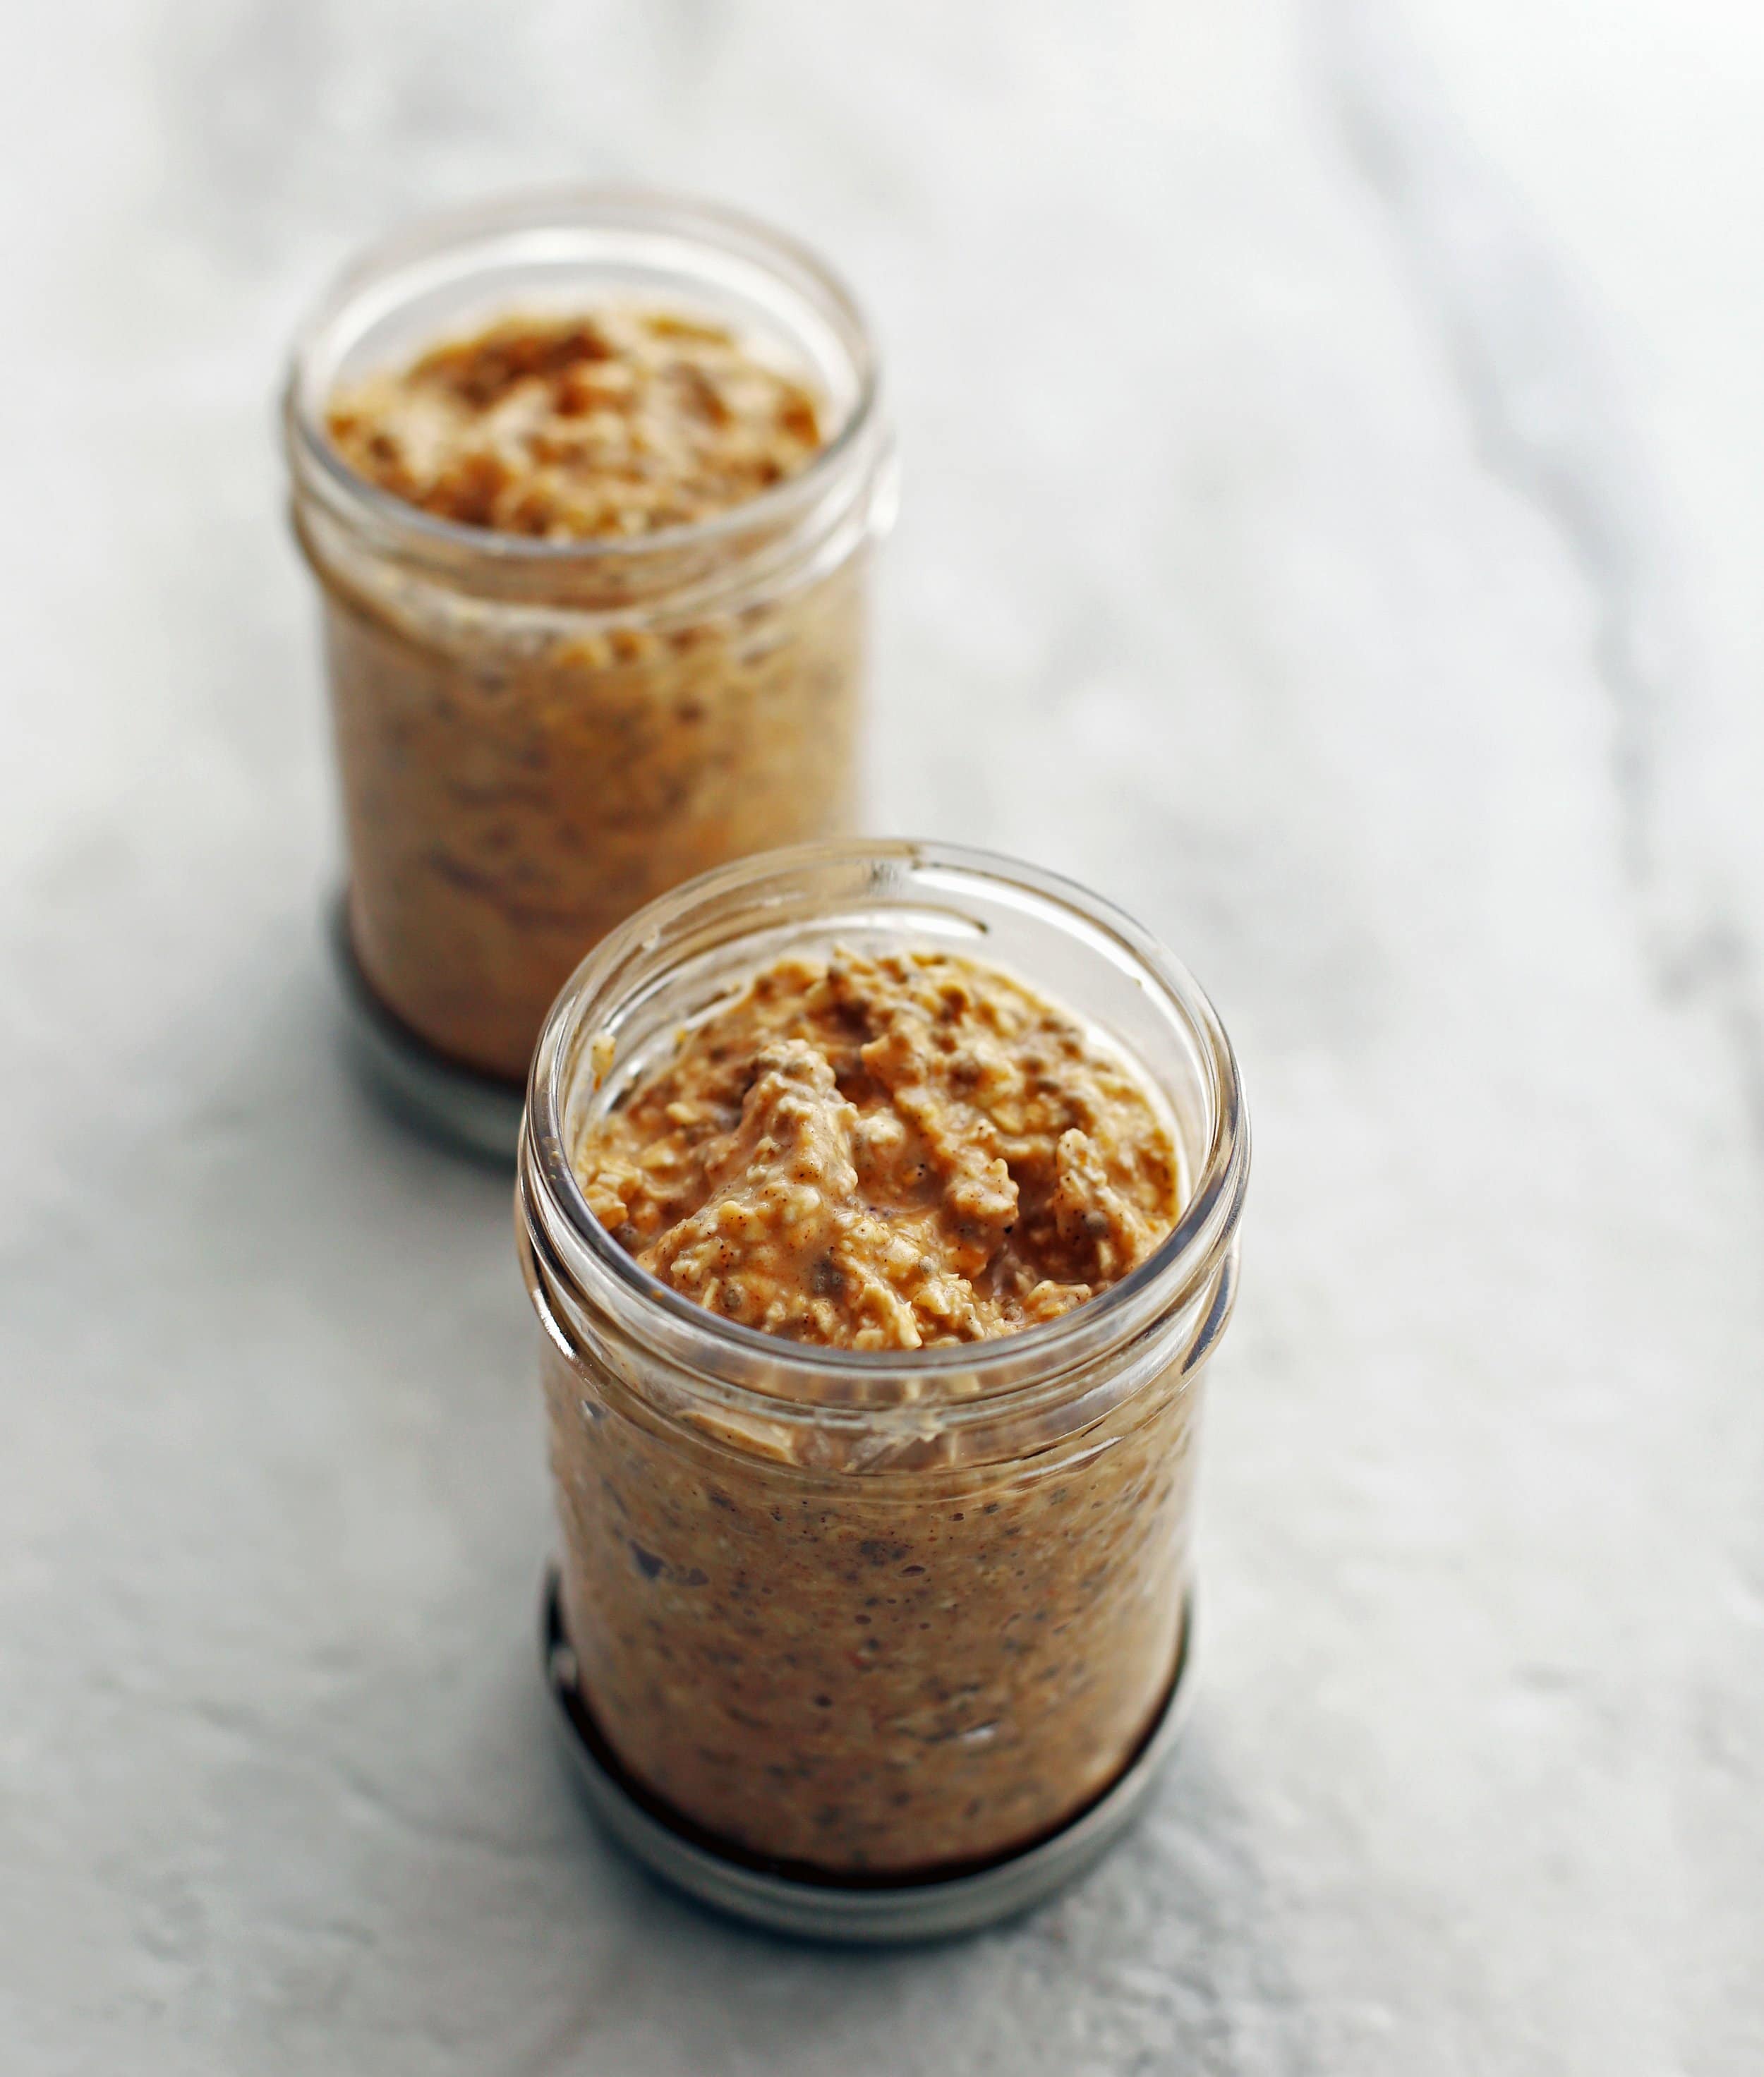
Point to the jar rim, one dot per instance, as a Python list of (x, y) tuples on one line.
[(1203, 1234), (378, 265)]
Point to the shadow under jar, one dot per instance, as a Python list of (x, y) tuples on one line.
[(537, 735), (864, 1615)]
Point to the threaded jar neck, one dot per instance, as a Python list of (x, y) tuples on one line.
[(692, 948), (558, 250)]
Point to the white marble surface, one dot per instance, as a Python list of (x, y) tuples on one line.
[(1335, 445)]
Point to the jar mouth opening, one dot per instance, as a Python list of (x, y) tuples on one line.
[(1178, 1266), (368, 288)]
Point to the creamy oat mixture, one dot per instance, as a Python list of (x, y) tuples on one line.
[(610, 424), (886, 1152), (897, 1673), (858, 1665), (518, 778)]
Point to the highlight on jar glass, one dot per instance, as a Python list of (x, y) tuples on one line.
[(879, 1204), (589, 481)]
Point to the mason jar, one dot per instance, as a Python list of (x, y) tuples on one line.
[(534, 737), (876, 1617)]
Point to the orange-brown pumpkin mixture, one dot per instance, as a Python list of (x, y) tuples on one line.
[(530, 751), (616, 423), (886, 1153), (869, 1660)]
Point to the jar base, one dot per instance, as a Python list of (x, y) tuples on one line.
[(470, 1112), (877, 1914)]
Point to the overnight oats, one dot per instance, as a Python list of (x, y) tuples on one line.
[(880, 1205), (588, 482)]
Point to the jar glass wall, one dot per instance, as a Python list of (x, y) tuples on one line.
[(535, 737), (875, 1615)]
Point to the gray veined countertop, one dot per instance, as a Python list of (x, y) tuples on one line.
[(1333, 509)]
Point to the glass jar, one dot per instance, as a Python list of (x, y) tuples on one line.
[(880, 1615), (536, 737)]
